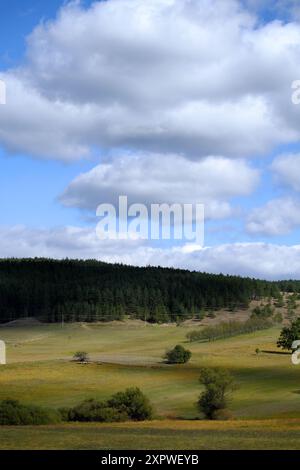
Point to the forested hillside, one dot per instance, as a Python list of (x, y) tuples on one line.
[(94, 291)]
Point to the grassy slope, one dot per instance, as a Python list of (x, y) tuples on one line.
[(40, 371)]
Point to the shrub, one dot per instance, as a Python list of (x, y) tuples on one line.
[(178, 355), (218, 384), (291, 314), (288, 335), (123, 406), (13, 413), (279, 303), (81, 356), (134, 403), (264, 311), (291, 303), (93, 410)]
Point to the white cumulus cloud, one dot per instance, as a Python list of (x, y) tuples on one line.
[(277, 217), (157, 178), (196, 77)]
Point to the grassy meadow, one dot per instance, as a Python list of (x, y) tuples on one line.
[(265, 405)]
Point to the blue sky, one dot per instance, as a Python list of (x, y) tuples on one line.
[(17, 20), (29, 187), (164, 101)]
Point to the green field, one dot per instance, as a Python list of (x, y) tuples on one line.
[(265, 406)]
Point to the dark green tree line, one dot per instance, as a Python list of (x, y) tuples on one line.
[(76, 290)]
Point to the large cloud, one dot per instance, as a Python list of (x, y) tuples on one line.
[(251, 259), (168, 179), (197, 77)]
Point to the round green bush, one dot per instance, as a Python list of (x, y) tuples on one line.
[(134, 403), (178, 355)]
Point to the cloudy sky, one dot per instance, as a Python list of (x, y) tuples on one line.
[(170, 101)]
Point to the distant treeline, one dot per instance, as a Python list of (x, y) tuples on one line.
[(94, 291), (227, 329)]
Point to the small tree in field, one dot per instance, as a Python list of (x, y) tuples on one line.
[(288, 335), (178, 355), (218, 384), (81, 356), (134, 403)]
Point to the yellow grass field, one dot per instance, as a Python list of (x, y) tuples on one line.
[(265, 406)]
